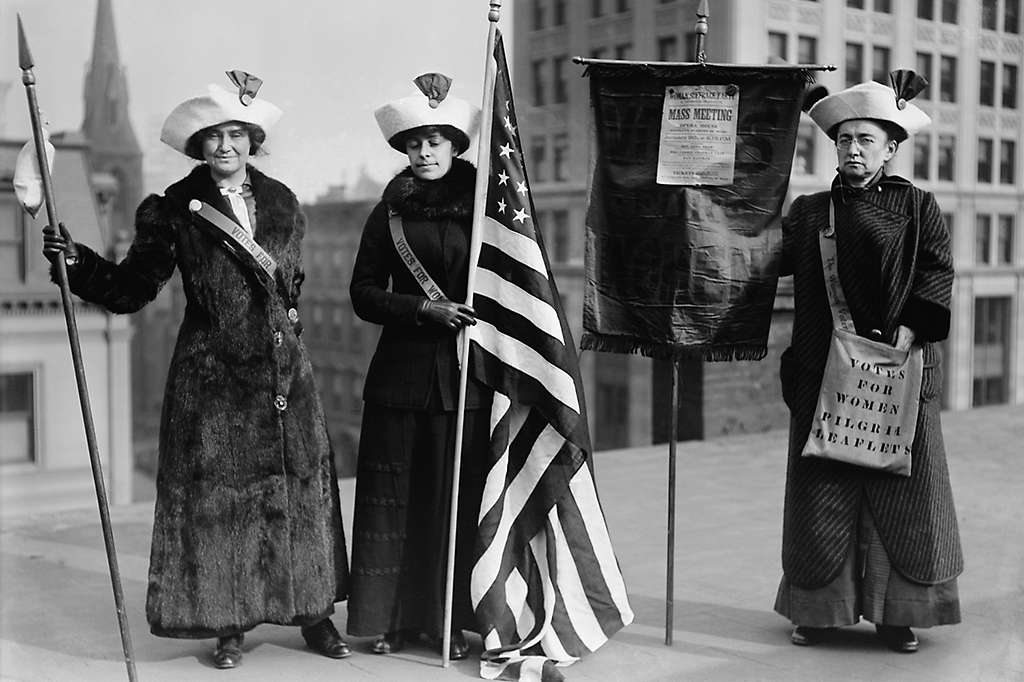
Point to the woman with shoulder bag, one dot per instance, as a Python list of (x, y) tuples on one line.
[(864, 542)]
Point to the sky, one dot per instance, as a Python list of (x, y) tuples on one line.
[(327, 63)]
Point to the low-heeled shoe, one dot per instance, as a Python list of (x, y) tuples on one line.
[(898, 638), (388, 643), (324, 639), (228, 653), (458, 648), (804, 635)]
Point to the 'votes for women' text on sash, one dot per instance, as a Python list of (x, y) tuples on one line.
[(683, 222)]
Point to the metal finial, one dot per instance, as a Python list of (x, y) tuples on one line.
[(495, 12), (24, 56), (700, 30)]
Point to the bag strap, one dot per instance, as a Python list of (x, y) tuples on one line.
[(841, 317), (405, 252)]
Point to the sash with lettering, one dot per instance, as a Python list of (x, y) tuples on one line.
[(684, 218), (237, 237), (870, 392)]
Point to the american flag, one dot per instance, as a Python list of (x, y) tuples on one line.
[(546, 585)]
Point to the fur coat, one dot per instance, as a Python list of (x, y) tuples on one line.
[(247, 526), (895, 267)]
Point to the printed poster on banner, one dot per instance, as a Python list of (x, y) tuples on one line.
[(697, 145)]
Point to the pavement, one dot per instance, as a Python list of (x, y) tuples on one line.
[(58, 622)]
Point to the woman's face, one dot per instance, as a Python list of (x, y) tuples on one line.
[(430, 154), (863, 147), (226, 149)]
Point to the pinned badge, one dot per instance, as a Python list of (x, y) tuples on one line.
[(248, 85)]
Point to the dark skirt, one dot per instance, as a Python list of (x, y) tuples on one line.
[(401, 517)]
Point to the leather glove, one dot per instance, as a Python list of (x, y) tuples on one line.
[(448, 314), (55, 244)]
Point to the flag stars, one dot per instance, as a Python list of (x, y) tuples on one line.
[(503, 177), (521, 215), (501, 205), (506, 151), (521, 187), (508, 124)]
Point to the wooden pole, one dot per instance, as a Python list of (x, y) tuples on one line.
[(480, 195), (29, 80)]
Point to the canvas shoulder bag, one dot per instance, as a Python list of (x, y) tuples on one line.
[(870, 392)]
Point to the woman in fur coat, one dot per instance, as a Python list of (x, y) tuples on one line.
[(860, 542), (403, 485), (247, 526)]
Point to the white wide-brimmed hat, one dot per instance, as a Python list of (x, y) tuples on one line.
[(874, 101), (433, 107), (219, 105)]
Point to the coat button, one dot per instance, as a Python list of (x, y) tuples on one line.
[(293, 315), (280, 403), (278, 338)]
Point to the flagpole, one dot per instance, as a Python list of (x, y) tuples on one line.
[(483, 165), (28, 78)]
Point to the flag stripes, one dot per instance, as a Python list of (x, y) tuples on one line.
[(545, 585)]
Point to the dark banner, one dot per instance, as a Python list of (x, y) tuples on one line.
[(683, 223)]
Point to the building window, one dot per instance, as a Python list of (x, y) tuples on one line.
[(947, 79), (806, 50), (949, 11), (559, 84), (17, 417), (1007, 162), (983, 239), (13, 258), (623, 6), (538, 14), (854, 64), (538, 154), (987, 84), (611, 401), (1004, 240), (560, 157), (947, 154), (985, 149), (989, 9), (991, 350), (558, 18), (624, 51), (1009, 98), (883, 6), (778, 45), (926, 9), (855, 4), (690, 45), (1011, 16), (880, 61), (924, 68), (922, 156), (596, 8), (537, 66), (668, 49), (559, 236), (803, 160)]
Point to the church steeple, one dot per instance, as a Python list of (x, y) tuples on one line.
[(106, 122)]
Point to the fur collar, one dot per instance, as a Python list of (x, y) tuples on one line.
[(450, 197)]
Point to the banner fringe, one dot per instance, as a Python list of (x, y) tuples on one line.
[(675, 352)]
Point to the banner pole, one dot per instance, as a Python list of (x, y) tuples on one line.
[(671, 553), (28, 79), (480, 197)]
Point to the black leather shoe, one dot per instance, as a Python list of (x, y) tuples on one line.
[(898, 638), (458, 647), (804, 635), (228, 653), (388, 643), (323, 638)]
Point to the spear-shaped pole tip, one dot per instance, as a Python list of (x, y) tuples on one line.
[(702, 9), (24, 56)]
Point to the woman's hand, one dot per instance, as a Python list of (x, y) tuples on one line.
[(448, 314), (55, 245), (904, 338)]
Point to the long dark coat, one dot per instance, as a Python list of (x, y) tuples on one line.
[(895, 267), (403, 487), (247, 525)]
